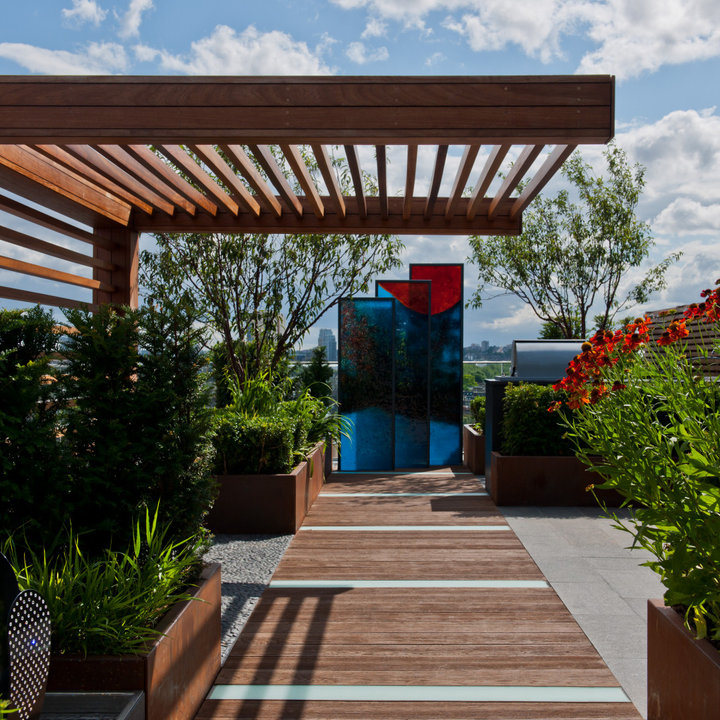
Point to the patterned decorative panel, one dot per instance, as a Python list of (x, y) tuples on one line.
[(366, 382), (412, 357), (446, 335)]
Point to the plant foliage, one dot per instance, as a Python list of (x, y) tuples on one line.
[(655, 422), (528, 428), (109, 604), (477, 410)]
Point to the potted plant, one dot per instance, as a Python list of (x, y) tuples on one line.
[(648, 422), (536, 464), (270, 458), (474, 437), (144, 619)]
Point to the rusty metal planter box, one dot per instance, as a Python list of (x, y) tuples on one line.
[(683, 673), (474, 449), (268, 503), (544, 480), (175, 673)]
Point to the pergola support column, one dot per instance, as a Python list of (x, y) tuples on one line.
[(125, 257)]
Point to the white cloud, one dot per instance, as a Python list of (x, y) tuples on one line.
[(435, 59), (686, 216), (130, 22), (96, 59), (358, 53), (636, 37), (250, 52), (631, 36), (681, 152), (84, 11), (374, 28)]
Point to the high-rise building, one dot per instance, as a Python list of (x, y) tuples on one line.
[(326, 339)]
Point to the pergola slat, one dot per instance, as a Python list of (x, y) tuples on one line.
[(11, 293), (244, 164), (214, 161), (55, 185), (27, 268), (381, 156), (326, 170), (541, 178), (410, 180), (487, 175), (36, 217), (297, 164), (516, 174), (353, 161), (47, 248), (61, 156), (110, 170), (201, 150), (466, 165), (269, 164), (153, 163), (177, 155), (130, 165), (440, 158)]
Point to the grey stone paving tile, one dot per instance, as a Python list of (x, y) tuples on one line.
[(595, 597), (639, 583), (631, 674), (615, 636)]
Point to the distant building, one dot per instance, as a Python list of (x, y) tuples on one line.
[(326, 339)]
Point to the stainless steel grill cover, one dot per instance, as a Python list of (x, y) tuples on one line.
[(543, 360)]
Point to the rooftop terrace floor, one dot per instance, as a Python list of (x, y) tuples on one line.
[(411, 596)]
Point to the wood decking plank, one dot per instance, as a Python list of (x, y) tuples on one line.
[(411, 637), (317, 710)]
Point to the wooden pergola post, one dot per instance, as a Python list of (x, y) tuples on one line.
[(125, 259)]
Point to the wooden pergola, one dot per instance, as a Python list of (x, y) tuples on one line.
[(126, 155)]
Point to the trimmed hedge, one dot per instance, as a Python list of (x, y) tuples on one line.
[(528, 428), (249, 445)]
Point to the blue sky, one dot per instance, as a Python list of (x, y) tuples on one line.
[(664, 53)]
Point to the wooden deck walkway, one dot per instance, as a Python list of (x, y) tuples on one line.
[(408, 597)]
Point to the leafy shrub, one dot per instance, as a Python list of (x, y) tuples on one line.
[(316, 375), (253, 444), (528, 428), (654, 422), (111, 604), (123, 426), (477, 410), (33, 460)]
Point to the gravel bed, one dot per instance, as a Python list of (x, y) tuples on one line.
[(248, 562)]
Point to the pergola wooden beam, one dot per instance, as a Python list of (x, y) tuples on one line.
[(317, 110), (125, 155)]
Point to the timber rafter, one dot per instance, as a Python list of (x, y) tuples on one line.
[(125, 155)]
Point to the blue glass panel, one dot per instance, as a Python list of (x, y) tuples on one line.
[(446, 338), (366, 380), (412, 368)]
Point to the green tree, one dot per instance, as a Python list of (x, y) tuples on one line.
[(260, 293), (572, 256), (317, 374)]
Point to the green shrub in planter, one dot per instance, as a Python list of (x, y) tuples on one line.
[(109, 605), (253, 444), (477, 410), (528, 428)]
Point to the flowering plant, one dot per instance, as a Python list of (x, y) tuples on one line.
[(641, 406)]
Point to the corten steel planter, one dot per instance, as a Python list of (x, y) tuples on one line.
[(474, 449), (268, 503), (544, 480), (683, 674), (175, 673)]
